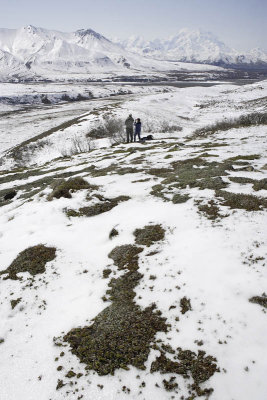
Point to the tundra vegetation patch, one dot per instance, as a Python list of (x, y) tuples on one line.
[(149, 235), (15, 302), (246, 202), (261, 300), (99, 208), (199, 173), (260, 184), (185, 305), (180, 198), (199, 367), (126, 256), (123, 334), (113, 233), (63, 188), (193, 173), (211, 210), (32, 260)]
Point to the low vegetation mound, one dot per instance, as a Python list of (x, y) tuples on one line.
[(121, 335), (192, 172), (149, 235), (185, 305), (126, 256), (180, 198), (260, 184), (15, 302), (241, 201), (63, 188), (261, 300), (98, 208), (32, 260), (124, 333), (198, 366), (211, 210), (113, 233), (10, 195)]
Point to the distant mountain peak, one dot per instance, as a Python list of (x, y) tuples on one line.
[(90, 32), (29, 28), (193, 45)]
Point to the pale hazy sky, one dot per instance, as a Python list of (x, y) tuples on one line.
[(239, 23)]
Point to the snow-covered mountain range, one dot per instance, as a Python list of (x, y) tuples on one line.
[(193, 46), (31, 52)]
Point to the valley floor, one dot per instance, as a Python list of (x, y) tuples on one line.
[(82, 326)]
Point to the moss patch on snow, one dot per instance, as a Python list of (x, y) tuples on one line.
[(246, 202), (121, 334), (126, 256), (149, 235), (193, 172), (63, 188), (199, 367), (211, 210), (185, 305), (32, 260), (260, 184), (98, 208), (180, 198), (261, 300), (15, 302)]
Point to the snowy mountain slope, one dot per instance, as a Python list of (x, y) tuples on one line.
[(193, 46), (206, 274), (12, 67), (51, 53)]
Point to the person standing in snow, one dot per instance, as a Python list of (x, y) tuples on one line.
[(137, 130), (129, 128)]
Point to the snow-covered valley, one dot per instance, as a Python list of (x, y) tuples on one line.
[(133, 271)]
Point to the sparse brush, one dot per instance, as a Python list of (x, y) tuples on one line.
[(242, 121), (112, 128), (78, 145)]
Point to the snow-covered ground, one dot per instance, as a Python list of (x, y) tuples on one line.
[(160, 108), (213, 253), (24, 114)]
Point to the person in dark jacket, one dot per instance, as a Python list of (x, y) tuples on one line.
[(129, 128), (137, 130)]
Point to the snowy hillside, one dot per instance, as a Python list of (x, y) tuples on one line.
[(12, 67), (193, 46), (138, 271), (83, 54)]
